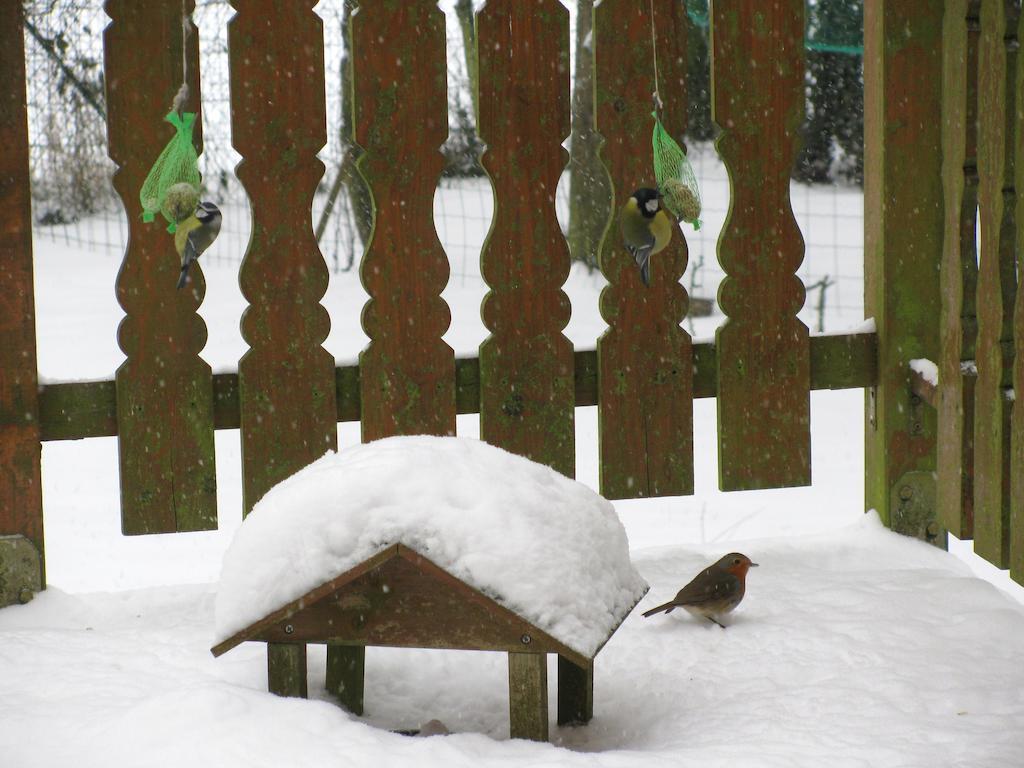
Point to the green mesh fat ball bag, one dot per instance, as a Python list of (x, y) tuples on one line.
[(172, 186), (675, 177)]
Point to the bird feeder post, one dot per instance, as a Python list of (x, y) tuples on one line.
[(528, 696), (575, 693), (346, 675), (286, 669)]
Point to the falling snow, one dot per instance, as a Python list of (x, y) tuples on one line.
[(853, 647)]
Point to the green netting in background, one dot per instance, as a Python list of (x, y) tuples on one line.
[(833, 26)]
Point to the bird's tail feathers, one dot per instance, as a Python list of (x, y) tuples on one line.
[(642, 256), (187, 258), (183, 278), (667, 608)]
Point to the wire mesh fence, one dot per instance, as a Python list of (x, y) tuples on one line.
[(74, 201)]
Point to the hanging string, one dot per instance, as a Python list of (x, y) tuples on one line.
[(656, 96), (677, 184), (186, 29)]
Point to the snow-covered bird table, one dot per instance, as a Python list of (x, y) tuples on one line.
[(431, 542)]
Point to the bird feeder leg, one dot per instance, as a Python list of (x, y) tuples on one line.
[(528, 696), (575, 693), (346, 669), (286, 669)]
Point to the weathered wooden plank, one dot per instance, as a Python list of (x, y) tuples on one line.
[(346, 675), (21, 504), (286, 669), (528, 696), (164, 395), (286, 380), (764, 407), (346, 388), (958, 271), (1017, 418), (75, 410), (997, 279), (527, 394), (72, 411), (645, 360), (575, 693), (903, 239), (225, 401), (278, 623), (407, 372), (401, 599), (844, 361), (589, 196)]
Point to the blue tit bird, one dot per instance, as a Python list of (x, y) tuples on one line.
[(194, 235), (646, 228)]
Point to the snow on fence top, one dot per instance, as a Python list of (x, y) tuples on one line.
[(928, 370), (544, 546)]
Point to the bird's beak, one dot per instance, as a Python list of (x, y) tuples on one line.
[(753, 565)]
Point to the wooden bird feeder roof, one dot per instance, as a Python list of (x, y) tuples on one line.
[(400, 598)]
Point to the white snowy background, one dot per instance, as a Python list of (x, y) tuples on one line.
[(854, 647)]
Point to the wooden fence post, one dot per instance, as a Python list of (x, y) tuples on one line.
[(407, 371), (764, 364), (997, 278), (286, 381), (21, 505), (959, 271), (903, 231), (527, 397), (1017, 421), (400, 120), (645, 358), (164, 388)]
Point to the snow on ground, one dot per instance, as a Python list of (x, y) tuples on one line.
[(853, 647)]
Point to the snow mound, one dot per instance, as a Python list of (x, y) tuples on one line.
[(544, 546)]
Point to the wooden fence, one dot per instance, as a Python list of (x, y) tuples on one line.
[(981, 364), (924, 70)]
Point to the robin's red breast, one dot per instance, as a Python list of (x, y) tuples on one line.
[(715, 591)]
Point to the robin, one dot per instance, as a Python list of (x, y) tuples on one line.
[(714, 592)]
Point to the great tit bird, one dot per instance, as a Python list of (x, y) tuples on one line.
[(646, 228), (194, 235)]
